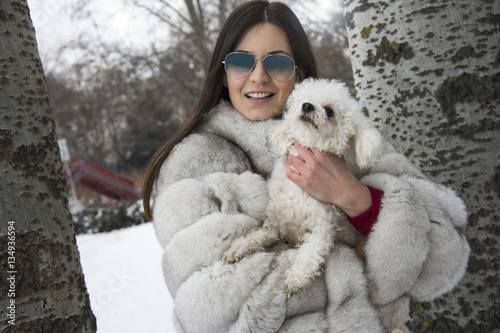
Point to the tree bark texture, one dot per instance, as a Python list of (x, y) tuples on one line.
[(428, 73), (42, 288)]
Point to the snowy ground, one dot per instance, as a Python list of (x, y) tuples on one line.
[(125, 282)]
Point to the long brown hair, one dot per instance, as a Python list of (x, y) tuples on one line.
[(242, 18)]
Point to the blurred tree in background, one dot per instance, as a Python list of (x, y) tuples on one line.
[(43, 287)]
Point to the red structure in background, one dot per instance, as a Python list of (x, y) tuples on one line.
[(101, 180)]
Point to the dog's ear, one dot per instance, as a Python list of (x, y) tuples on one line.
[(368, 143), (281, 138)]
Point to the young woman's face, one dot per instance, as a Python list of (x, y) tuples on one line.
[(258, 96)]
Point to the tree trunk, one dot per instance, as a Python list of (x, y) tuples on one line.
[(428, 72), (42, 288)]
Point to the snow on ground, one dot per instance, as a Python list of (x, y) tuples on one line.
[(125, 282)]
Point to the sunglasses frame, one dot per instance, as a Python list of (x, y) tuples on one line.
[(263, 57)]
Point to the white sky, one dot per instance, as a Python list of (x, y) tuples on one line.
[(113, 20), (53, 22)]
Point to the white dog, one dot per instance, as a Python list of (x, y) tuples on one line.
[(320, 114)]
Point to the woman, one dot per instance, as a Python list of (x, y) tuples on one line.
[(206, 186)]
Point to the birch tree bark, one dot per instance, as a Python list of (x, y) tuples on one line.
[(42, 288), (428, 72)]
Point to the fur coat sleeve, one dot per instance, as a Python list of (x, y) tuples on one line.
[(417, 247)]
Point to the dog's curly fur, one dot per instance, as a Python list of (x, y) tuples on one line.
[(320, 114)]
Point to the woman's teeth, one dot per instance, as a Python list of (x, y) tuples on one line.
[(259, 95)]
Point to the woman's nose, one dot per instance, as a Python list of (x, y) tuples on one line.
[(259, 73)]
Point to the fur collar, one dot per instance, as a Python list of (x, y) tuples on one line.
[(253, 137)]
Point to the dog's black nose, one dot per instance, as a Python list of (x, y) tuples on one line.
[(307, 107)]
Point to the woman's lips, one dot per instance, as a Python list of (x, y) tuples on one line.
[(259, 97)]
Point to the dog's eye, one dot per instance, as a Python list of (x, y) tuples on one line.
[(329, 112)]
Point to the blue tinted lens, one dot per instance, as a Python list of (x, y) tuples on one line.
[(239, 64), (279, 67)]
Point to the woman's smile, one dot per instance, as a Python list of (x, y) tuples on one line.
[(259, 97)]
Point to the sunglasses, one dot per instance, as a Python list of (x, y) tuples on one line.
[(240, 64)]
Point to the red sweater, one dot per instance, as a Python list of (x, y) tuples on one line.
[(364, 222)]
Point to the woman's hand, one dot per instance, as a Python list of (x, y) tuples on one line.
[(327, 177)]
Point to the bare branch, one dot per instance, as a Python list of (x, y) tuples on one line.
[(182, 16), (162, 18)]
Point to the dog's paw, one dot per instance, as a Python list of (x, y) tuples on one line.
[(235, 253), (229, 257), (296, 281)]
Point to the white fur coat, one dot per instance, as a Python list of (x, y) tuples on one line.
[(212, 189)]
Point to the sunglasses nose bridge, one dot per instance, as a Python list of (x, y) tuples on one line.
[(264, 69), (262, 58)]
